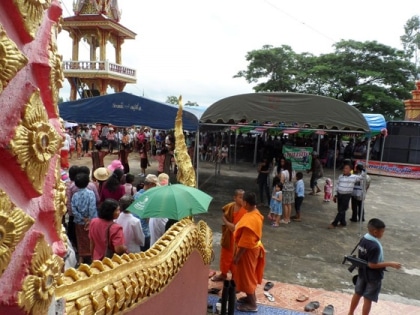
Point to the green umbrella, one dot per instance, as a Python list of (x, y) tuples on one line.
[(173, 202)]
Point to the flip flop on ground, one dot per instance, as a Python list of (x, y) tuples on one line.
[(328, 310), (268, 286), (269, 296), (311, 306), (246, 308), (302, 298)]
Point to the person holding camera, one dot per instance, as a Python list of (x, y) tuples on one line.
[(368, 284)]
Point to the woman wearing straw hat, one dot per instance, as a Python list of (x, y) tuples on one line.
[(101, 175)]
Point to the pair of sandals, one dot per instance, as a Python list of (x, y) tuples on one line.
[(267, 294), (314, 305)]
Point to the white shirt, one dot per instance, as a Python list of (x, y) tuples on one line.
[(157, 229), (133, 233)]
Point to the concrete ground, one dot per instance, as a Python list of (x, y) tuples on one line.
[(307, 253)]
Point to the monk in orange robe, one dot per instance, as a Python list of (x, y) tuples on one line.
[(232, 213), (249, 254)]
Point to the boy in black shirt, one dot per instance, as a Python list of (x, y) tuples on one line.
[(369, 281)]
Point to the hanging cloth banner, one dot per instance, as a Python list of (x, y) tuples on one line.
[(301, 157)]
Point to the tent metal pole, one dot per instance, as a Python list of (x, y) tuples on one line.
[(382, 150), (318, 146), (255, 150), (197, 155), (335, 159), (236, 144), (229, 150), (362, 212)]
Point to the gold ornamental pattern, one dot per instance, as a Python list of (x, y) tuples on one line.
[(35, 142), (114, 285), (38, 287), (32, 12), (11, 59), (56, 73), (59, 201), (14, 223)]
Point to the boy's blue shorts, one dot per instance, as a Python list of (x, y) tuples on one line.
[(368, 289)]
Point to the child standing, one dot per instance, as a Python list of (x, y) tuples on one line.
[(277, 209), (369, 280), (300, 194), (327, 190)]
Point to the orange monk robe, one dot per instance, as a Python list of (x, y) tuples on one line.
[(226, 254), (250, 268)]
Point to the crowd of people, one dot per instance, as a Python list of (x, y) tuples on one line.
[(98, 223)]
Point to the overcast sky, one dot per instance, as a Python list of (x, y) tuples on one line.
[(194, 48)]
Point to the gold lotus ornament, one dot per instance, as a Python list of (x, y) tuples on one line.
[(13, 225), (39, 286), (11, 59), (35, 142)]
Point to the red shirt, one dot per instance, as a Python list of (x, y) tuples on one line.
[(97, 235), (105, 193)]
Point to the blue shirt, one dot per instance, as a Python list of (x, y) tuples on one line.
[(300, 188), (144, 222), (83, 205)]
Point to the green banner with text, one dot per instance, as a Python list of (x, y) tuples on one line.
[(301, 157)]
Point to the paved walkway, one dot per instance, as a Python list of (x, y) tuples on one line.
[(285, 297)]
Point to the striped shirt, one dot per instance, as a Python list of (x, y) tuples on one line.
[(345, 184)]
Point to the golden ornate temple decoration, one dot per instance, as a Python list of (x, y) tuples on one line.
[(186, 172), (11, 59), (35, 142), (412, 107), (39, 286), (114, 285), (14, 223), (32, 13)]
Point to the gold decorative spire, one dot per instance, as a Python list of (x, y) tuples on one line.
[(186, 172)]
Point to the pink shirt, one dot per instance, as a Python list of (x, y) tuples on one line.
[(98, 233), (105, 193)]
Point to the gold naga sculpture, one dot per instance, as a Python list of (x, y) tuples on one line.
[(32, 195)]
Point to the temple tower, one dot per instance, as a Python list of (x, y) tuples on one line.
[(412, 107), (97, 23)]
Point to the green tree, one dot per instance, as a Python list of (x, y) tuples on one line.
[(371, 76), (172, 100), (411, 42)]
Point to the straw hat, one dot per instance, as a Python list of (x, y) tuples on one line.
[(101, 173)]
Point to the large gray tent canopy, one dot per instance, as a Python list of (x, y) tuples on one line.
[(286, 110)]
